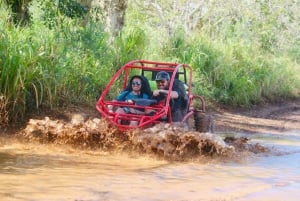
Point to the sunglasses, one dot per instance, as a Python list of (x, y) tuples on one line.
[(136, 83), (161, 81)]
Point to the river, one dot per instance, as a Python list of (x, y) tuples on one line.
[(47, 172)]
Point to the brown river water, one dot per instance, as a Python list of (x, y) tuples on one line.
[(156, 166)]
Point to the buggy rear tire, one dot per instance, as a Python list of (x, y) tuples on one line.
[(203, 123)]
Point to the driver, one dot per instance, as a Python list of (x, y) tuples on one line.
[(178, 93)]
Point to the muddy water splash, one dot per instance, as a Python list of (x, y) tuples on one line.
[(171, 142)]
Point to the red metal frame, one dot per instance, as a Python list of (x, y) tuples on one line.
[(162, 109)]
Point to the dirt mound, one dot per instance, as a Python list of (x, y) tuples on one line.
[(171, 142)]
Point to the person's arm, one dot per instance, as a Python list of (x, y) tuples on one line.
[(174, 94), (122, 96)]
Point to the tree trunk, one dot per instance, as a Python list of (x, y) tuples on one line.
[(113, 12), (20, 10)]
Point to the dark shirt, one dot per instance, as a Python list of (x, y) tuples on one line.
[(178, 105)]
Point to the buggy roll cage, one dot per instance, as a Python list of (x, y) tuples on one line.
[(182, 72)]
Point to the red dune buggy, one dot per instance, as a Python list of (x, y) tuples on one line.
[(194, 114)]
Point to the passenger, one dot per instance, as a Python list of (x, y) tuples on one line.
[(178, 102), (138, 87)]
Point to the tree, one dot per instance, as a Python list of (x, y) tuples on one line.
[(112, 12), (19, 9), (184, 14)]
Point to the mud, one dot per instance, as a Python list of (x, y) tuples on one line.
[(268, 118), (170, 142), (82, 128)]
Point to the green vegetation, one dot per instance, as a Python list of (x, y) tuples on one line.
[(238, 60)]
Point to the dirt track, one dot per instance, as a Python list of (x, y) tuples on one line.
[(274, 119)]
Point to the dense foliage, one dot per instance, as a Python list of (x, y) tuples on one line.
[(242, 54)]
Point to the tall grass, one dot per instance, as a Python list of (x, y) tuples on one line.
[(236, 73), (71, 62), (50, 67), (84, 57), (25, 59), (129, 45), (242, 54)]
